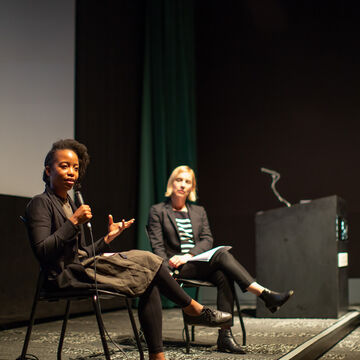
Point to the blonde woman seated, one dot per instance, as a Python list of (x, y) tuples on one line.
[(179, 230)]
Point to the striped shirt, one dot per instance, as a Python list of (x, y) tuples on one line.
[(184, 226)]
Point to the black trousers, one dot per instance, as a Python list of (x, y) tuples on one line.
[(222, 270), (150, 307)]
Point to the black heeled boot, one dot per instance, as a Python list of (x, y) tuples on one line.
[(274, 300), (208, 317), (227, 343)]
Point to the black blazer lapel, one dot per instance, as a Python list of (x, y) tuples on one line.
[(56, 203), (171, 216)]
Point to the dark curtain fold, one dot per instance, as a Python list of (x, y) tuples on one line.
[(168, 127)]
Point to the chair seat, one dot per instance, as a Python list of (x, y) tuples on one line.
[(194, 283), (69, 295), (189, 283), (77, 294)]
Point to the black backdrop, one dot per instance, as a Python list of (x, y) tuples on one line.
[(109, 68), (277, 86)]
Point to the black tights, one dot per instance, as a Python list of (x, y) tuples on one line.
[(225, 261), (150, 307), (222, 270)]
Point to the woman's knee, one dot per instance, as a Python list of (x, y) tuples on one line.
[(223, 257)]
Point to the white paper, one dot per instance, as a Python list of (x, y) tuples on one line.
[(207, 255), (108, 254)]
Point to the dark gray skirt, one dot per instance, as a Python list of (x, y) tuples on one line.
[(130, 272)]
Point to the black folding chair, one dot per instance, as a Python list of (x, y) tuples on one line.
[(192, 283), (43, 294)]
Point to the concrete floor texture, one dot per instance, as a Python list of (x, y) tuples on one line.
[(266, 339)]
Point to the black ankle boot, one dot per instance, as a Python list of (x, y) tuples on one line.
[(273, 300), (227, 343)]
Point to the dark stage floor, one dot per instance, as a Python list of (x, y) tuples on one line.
[(266, 339)]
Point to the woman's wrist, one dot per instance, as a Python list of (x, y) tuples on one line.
[(107, 239), (74, 220)]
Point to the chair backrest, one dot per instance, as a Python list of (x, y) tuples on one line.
[(41, 278), (148, 236), (147, 231), (25, 222)]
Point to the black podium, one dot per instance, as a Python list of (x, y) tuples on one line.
[(304, 247)]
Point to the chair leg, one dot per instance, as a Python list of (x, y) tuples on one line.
[(30, 326), (100, 323), (135, 330), (240, 317), (187, 336), (63, 329), (197, 292)]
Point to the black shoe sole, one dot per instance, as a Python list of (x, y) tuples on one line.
[(228, 351), (207, 324)]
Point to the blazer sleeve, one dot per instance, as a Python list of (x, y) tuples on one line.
[(48, 240), (205, 239), (155, 233), (100, 246)]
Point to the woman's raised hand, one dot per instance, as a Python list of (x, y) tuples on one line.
[(81, 215), (115, 229)]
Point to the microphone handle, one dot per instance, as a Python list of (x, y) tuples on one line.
[(78, 198), (80, 201)]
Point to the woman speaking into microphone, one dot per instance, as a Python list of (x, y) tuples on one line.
[(56, 234)]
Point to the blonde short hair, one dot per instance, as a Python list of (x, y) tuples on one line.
[(183, 168)]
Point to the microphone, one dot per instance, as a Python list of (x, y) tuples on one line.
[(79, 200), (275, 177)]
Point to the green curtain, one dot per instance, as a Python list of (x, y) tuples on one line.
[(168, 124), (168, 128)]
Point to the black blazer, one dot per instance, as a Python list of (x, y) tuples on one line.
[(164, 235), (55, 240)]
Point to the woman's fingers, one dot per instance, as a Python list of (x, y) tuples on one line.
[(130, 222), (83, 214), (122, 225), (178, 260), (175, 261), (126, 224)]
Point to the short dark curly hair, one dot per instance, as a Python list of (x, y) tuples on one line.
[(71, 144)]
